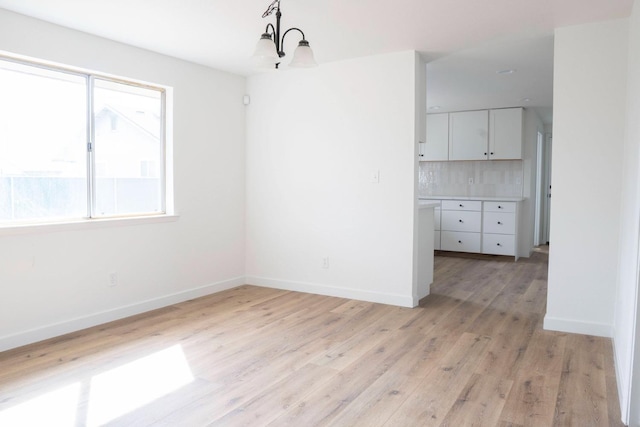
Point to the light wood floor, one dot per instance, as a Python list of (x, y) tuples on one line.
[(473, 353)]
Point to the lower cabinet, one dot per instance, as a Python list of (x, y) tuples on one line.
[(488, 227)]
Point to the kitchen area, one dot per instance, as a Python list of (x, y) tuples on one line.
[(479, 167)]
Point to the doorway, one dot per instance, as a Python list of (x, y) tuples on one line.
[(543, 190)]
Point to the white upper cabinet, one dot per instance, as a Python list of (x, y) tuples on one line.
[(505, 134), (437, 142), (469, 135), (474, 135)]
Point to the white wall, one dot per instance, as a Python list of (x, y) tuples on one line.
[(314, 139), (422, 270), (53, 282), (590, 70), (627, 295)]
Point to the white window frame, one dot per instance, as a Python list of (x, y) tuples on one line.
[(92, 220)]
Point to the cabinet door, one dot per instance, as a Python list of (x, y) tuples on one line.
[(437, 144), (505, 134), (469, 135)]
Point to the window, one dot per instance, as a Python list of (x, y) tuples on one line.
[(76, 145)]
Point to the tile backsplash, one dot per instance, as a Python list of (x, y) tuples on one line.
[(485, 178)]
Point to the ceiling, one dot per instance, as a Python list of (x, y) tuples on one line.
[(466, 41)]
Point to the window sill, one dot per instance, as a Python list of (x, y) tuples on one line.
[(84, 224)]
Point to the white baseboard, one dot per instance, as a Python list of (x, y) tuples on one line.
[(578, 327), (76, 324), (332, 291)]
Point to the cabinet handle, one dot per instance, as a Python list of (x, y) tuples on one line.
[(492, 153), (499, 207), (459, 220), (421, 155), (499, 223), (459, 241), (461, 205), (485, 154), (498, 244)]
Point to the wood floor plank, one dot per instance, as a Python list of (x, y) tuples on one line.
[(438, 391), (376, 404), (324, 404), (510, 340), (433, 309), (531, 401), (480, 403), (424, 356), (581, 396), (282, 395), (534, 300)]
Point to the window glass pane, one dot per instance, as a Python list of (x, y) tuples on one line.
[(129, 151), (43, 160)]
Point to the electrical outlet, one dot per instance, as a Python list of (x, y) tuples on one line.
[(113, 279), (325, 262)]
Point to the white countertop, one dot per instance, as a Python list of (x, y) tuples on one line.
[(422, 204), (488, 199)]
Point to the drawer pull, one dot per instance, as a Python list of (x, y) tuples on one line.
[(459, 220), (499, 223), (498, 244), (461, 205), (459, 241)]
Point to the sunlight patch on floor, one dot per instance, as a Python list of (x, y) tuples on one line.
[(131, 386), (110, 394), (58, 408)]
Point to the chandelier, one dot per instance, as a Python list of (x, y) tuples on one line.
[(270, 47)]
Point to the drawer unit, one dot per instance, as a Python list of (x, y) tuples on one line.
[(461, 225), (499, 223), (460, 241), (488, 227), (461, 205), (499, 228), (500, 207), (461, 221), (498, 244)]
